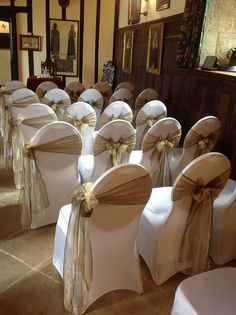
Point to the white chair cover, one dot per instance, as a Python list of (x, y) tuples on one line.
[(112, 146), (26, 124), (58, 100), (126, 84), (211, 292), (94, 249), (144, 97), (223, 246), (95, 99), (74, 89), (150, 113), (157, 148), (201, 138), (106, 90), (50, 167), (122, 94), (44, 87), (175, 226), (117, 110), (82, 116)]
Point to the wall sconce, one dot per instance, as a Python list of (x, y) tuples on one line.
[(144, 8), (135, 9)]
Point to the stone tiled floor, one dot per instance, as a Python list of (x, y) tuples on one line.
[(30, 285)]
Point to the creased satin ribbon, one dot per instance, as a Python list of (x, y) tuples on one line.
[(57, 106), (197, 235), (115, 149), (204, 145), (98, 103), (78, 264), (74, 95), (143, 118), (106, 118), (35, 197), (81, 124), (18, 142), (160, 172)]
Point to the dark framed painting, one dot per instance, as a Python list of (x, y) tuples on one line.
[(134, 9), (128, 51), (64, 43), (162, 5), (30, 42), (154, 52)]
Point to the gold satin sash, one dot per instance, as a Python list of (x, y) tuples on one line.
[(106, 118), (78, 263), (81, 124), (74, 95), (35, 197), (143, 118), (160, 172), (57, 106), (18, 141), (98, 104), (204, 145), (197, 235), (115, 149)]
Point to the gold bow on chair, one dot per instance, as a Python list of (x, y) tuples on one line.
[(160, 172), (106, 118), (115, 149), (81, 124), (57, 106), (98, 104), (204, 145), (143, 118), (196, 239), (78, 263), (35, 196)]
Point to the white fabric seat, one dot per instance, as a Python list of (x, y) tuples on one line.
[(110, 230), (157, 147), (95, 99), (146, 117), (44, 87), (175, 227), (74, 89), (50, 166), (201, 138), (58, 100), (117, 110), (211, 292), (82, 116), (223, 247), (113, 144)]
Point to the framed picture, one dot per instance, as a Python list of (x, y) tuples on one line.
[(134, 9), (127, 51), (30, 42), (162, 5), (64, 44), (154, 53)]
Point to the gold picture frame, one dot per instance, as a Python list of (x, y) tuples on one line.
[(154, 52), (30, 42), (128, 51), (162, 5)]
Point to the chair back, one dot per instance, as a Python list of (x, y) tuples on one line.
[(127, 85), (54, 150), (117, 110), (44, 87), (11, 87), (150, 113), (95, 99), (157, 148), (122, 94), (145, 96), (58, 100), (112, 146), (83, 117), (74, 89), (106, 90)]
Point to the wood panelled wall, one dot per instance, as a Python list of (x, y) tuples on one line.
[(188, 94)]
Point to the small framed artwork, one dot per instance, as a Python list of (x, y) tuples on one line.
[(134, 9), (128, 51), (154, 53), (30, 42), (64, 43), (162, 5)]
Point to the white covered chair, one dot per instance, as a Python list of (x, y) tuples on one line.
[(127, 85), (201, 138), (95, 240), (74, 89), (117, 110), (95, 99), (58, 100), (157, 148), (150, 113), (122, 94), (83, 117), (50, 172), (112, 146), (175, 228), (223, 246), (211, 292), (106, 90), (144, 97), (25, 125), (44, 87)]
